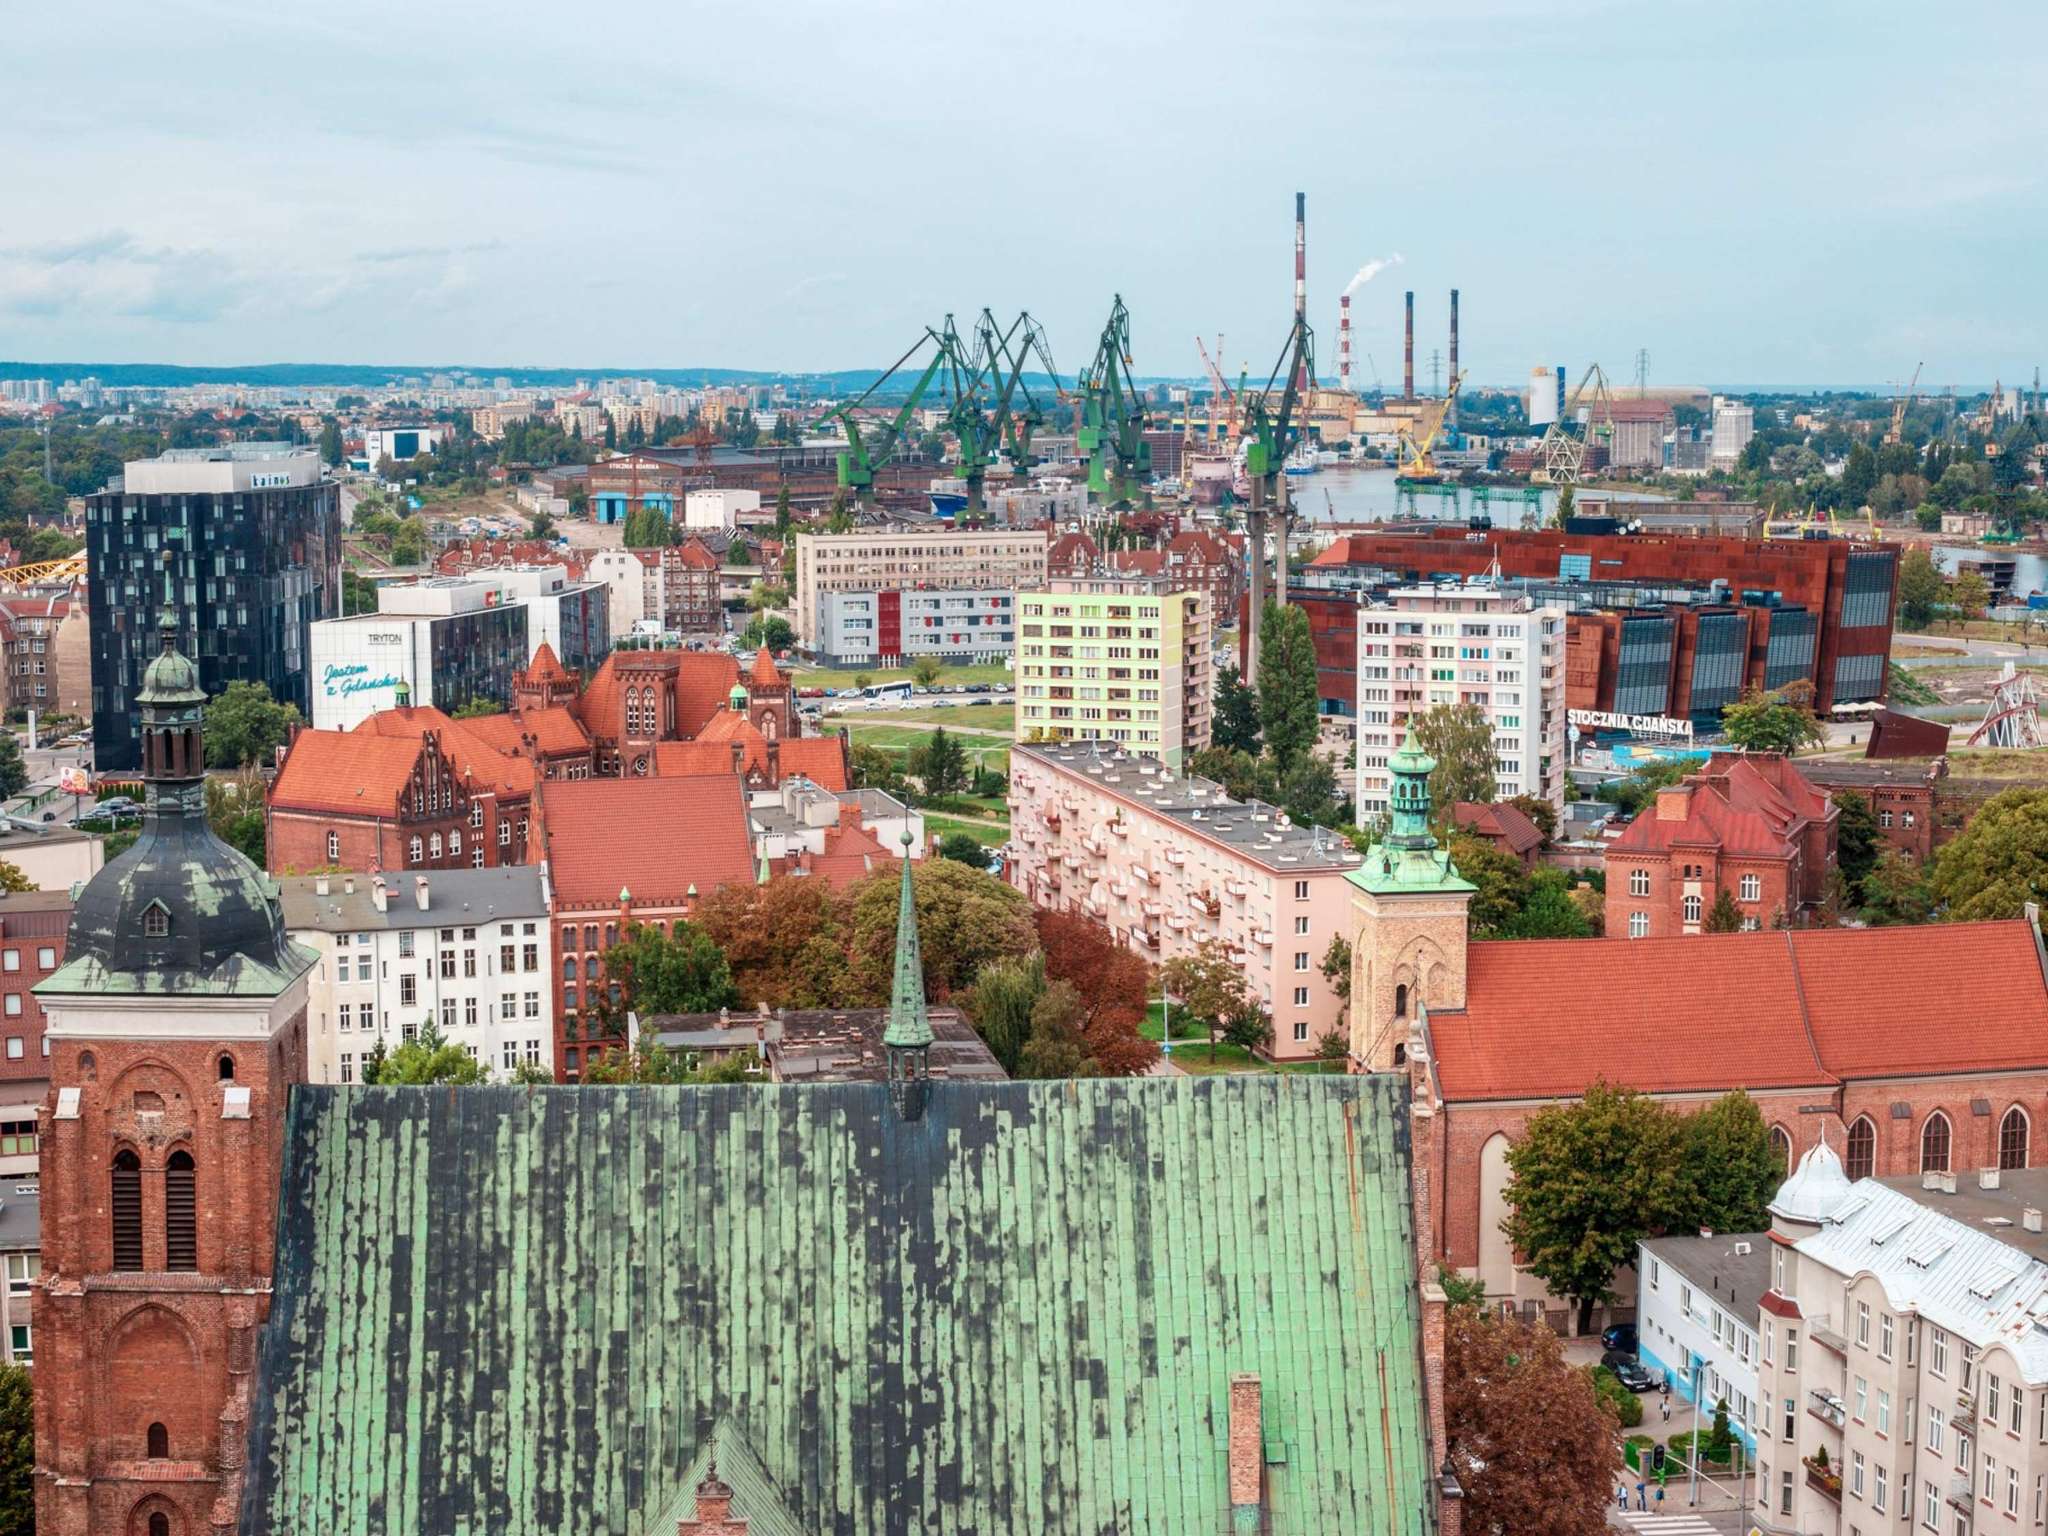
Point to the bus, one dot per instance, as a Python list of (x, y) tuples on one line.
[(900, 692)]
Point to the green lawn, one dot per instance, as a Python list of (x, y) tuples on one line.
[(1193, 1054), (999, 718), (990, 834), (842, 677), (992, 752)]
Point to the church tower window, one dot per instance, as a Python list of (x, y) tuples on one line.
[(181, 1214), (127, 1202)]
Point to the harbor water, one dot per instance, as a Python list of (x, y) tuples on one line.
[(1353, 494)]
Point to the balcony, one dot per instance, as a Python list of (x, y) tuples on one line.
[(1143, 875), (1175, 857), (1119, 889), (1263, 938), (1146, 937), (1826, 1407), (1962, 1492), (1177, 923), (1120, 828), (1823, 1476), (1208, 902), (1236, 890), (1827, 1338)]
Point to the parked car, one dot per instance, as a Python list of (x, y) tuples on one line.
[(972, 702), (810, 693), (1628, 1370), (1620, 1337)]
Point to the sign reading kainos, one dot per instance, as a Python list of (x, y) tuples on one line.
[(1638, 725)]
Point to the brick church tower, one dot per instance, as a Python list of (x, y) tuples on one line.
[(176, 1027), (1410, 903)]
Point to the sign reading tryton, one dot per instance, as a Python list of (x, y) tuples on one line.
[(343, 679), (1641, 725)]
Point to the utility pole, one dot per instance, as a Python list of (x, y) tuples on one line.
[(1642, 371), (1436, 372)]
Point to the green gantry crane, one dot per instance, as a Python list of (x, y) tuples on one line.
[(857, 460), (1270, 434), (987, 381), (1112, 432)]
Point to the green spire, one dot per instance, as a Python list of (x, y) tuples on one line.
[(1408, 858), (1409, 799), (910, 1027)]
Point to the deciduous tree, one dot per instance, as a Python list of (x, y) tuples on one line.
[(430, 1058), (1998, 863), (13, 771), (1287, 684), (1538, 810), (1919, 586), (1309, 793), (965, 919), (1460, 738), (963, 848), (17, 1452), (244, 724), (1234, 726), (1502, 881), (12, 879), (1770, 722), (1968, 593), (1207, 987), (1056, 1047), (679, 972), (1730, 1171), (1000, 1004), (926, 671), (1857, 839), (1548, 910), (1531, 1443), (785, 942)]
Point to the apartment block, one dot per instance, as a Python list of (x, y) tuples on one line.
[(870, 628), (894, 559), (1169, 863), (1123, 659), (1464, 643)]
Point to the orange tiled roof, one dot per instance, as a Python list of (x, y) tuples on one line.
[(473, 754), (704, 682), (696, 556), (1748, 806), (655, 837), (764, 673), (345, 773), (546, 667), (555, 731), (1509, 823)]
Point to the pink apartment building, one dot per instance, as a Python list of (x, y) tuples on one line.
[(1167, 863)]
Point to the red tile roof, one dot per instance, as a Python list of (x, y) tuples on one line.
[(1753, 807), (546, 666), (555, 731), (474, 755), (851, 853), (344, 773), (821, 759), (1509, 823), (1705, 1013), (655, 837), (696, 556), (764, 673), (704, 682)]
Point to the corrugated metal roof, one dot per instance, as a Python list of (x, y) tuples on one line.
[(511, 1310)]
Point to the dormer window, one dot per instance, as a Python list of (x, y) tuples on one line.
[(156, 921)]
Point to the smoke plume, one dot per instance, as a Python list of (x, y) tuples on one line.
[(1371, 270)]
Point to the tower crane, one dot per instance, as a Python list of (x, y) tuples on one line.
[(1563, 453), (1219, 389), (1270, 433), (1112, 435), (1418, 468), (984, 381), (1896, 432)]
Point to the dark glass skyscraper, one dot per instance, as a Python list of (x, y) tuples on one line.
[(243, 541)]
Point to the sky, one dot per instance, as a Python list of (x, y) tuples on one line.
[(1755, 192)]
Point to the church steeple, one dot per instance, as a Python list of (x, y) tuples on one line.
[(908, 1038), (1409, 858), (173, 713)]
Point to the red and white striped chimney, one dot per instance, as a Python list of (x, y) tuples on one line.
[(1301, 272), (1344, 342)]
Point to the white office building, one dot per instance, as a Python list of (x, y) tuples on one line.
[(1734, 426), (466, 950), (1696, 1320), (1463, 643), (719, 509)]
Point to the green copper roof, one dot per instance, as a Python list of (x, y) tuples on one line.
[(1408, 858), (549, 1310), (910, 1027)]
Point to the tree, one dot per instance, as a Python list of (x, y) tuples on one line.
[(1309, 793), (657, 972), (1968, 593), (13, 771), (1336, 967), (1114, 986), (1234, 726), (763, 595), (1503, 884), (1056, 1047), (12, 879), (1770, 722), (874, 768), (477, 709), (941, 763), (428, 1059), (1896, 890), (1857, 839), (409, 543), (1538, 810), (656, 1063), (1588, 1181), (1287, 684), (1724, 916), (330, 444), (1731, 1172), (244, 724), (1530, 1441), (1998, 863), (965, 919), (1249, 1029), (785, 943), (964, 848), (1919, 586), (925, 671), (1460, 738), (1005, 992), (1207, 987), (782, 514), (771, 630), (1548, 910), (17, 1451), (1241, 775), (234, 810)]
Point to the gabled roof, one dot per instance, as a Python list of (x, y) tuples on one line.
[(694, 555), (546, 667), (345, 773), (796, 1269), (655, 837), (704, 682), (821, 759), (1746, 807), (555, 731), (474, 756), (764, 673), (1509, 823), (1545, 1018)]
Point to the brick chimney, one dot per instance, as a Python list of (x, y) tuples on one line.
[(1247, 1449), (714, 1511), (1674, 803)]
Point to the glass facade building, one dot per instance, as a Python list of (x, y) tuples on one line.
[(1642, 679), (1718, 658), (1794, 644)]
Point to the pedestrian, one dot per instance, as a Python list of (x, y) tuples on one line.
[(1660, 1498), (1642, 1496), (1665, 1404), (1621, 1496)]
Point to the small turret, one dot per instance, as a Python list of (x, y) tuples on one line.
[(908, 1038)]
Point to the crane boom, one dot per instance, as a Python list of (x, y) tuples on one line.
[(858, 458), (1419, 466), (1896, 432)]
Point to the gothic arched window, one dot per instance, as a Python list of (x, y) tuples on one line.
[(1861, 1162), (181, 1215), (127, 1202), (159, 1443), (1934, 1144), (2013, 1138)]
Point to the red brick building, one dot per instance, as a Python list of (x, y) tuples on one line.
[(1747, 825), (1918, 805), (32, 937), (1909, 1048), (1503, 826), (1191, 560)]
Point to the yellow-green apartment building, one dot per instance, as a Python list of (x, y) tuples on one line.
[(1115, 658)]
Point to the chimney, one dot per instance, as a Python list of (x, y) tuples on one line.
[(419, 891), (714, 1511), (2030, 1218), (1987, 1178), (1408, 351), (319, 885), (1344, 341), (1706, 1231), (380, 894), (348, 885), (1247, 1451), (1301, 271), (1453, 417), (1674, 802)]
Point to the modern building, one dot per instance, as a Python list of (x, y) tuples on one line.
[(1660, 625), (1901, 1356), (399, 444), (1171, 863), (898, 626), (1453, 644), (243, 542), (1118, 659), (1696, 1320), (467, 951), (1734, 426), (1750, 825), (724, 509), (899, 559), (449, 641)]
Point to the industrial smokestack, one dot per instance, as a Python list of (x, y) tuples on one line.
[(1344, 342), (1454, 358), (1408, 351)]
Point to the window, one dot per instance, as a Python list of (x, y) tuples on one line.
[(1752, 888), (181, 1216), (1990, 1476), (22, 1269), (1694, 909), (1301, 959), (533, 1005), (156, 921), (507, 954), (1884, 1336), (1785, 1491), (504, 834), (1791, 1422), (348, 1066), (1856, 1473), (434, 845), (412, 851), (127, 1207), (2016, 1416), (159, 1524), (1301, 1029), (1301, 890), (46, 958), (408, 990), (1639, 882), (2012, 1139), (22, 1346), (1937, 1353), (1301, 925), (159, 1443), (1991, 1397), (1770, 1337), (1931, 1507), (1934, 1144), (530, 956), (1301, 997), (1937, 1425), (334, 847), (1781, 1147), (1877, 1496), (447, 1013), (1862, 1394), (1791, 1349), (1639, 925), (455, 843), (1863, 1323), (2012, 1490), (1884, 1411), (1862, 1158)]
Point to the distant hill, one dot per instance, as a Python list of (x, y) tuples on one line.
[(368, 376)]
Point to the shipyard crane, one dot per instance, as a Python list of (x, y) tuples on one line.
[(983, 381), (1896, 432), (1562, 456), (1112, 435), (1025, 340), (1270, 434), (70, 569), (857, 460), (1219, 389), (1419, 468)]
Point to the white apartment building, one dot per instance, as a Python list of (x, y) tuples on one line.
[(1696, 1319), (889, 559), (1125, 659), (468, 950), (1903, 1355), (1169, 863), (1463, 643), (1734, 426)]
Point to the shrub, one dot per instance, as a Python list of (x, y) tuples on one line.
[(1628, 1408)]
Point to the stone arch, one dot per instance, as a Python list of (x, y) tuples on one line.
[(1781, 1147), (155, 1515), (1496, 1253), (152, 1371)]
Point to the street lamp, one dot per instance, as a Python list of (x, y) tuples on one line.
[(1692, 1496), (1166, 1024)]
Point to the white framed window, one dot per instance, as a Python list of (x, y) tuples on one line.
[(1884, 1336), (1301, 959), (1863, 1323), (1301, 1029), (348, 1066), (1752, 888), (1301, 997), (1301, 924), (1639, 925), (1693, 909), (1639, 882), (412, 851), (22, 1269), (333, 847), (1301, 890)]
